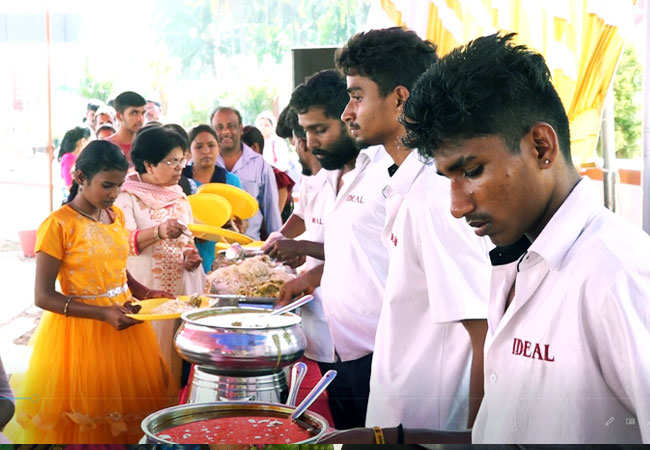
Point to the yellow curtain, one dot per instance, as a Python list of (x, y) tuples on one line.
[(580, 48)]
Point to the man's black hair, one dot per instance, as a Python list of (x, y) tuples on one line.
[(491, 86), (288, 125), (283, 128), (128, 99), (252, 135), (325, 89), (390, 57), (225, 108), (93, 104)]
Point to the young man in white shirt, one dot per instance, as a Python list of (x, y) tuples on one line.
[(300, 241), (566, 356), (352, 278), (433, 320)]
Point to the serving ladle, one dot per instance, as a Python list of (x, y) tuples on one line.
[(236, 252), (298, 372), (313, 395), (291, 306)]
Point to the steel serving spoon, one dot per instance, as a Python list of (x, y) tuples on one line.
[(298, 372)]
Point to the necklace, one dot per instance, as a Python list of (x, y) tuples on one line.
[(88, 215)]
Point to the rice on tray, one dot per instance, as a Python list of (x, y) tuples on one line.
[(257, 276), (176, 305)]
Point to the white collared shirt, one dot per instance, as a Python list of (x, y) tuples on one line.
[(439, 274), (355, 261), (569, 360), (316, 199)]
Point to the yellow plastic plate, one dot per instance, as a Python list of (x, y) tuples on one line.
[(210, 209), (149, 304), (255, 245), (243, 204), (221, 246), (210, 233)]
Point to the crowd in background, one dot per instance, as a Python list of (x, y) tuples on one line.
[(411, 163)]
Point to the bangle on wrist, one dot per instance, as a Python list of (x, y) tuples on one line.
[(400, 434), (379, 435), (155, 233), (136, 250), (67, 304)]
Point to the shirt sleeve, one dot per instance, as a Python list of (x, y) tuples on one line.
[(233, 180), (618, 323), (67, 162), (299, 207), (455, 261), (49, 238), (268, 200), (124, 202), (282, 179)]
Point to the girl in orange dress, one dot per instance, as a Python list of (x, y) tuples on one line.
[(95, 373)]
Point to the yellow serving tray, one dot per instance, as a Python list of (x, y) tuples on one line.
[(253, 245), (151, 303), (210, 209), (210, 233), (243, 204)]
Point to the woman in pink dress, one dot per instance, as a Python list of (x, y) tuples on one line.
[(73, 142)]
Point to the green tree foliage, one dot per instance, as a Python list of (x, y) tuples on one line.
[(627, 105), (202, 32), (225, 40), (90, 87), (255, 100)]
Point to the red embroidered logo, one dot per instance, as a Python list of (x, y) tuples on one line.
[(393, 239), (317, 220), (531, 350), (354, 198)]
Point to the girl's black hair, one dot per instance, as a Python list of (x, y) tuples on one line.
[(96, 157), (70, 139)]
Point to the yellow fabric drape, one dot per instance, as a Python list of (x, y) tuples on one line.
[(581, 50)]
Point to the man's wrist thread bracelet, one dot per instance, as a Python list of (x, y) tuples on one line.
[(379, 435)]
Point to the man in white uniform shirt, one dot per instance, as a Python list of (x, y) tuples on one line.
[(356, 263), (300, 240), (566, 357), (433, 321)]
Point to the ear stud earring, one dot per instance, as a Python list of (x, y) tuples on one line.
[(547, 161)]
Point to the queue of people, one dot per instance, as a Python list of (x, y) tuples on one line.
[(468, 288), (121, 234)]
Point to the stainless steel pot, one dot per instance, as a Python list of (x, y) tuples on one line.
[(237, 350), (167, 418), (207, 387)]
